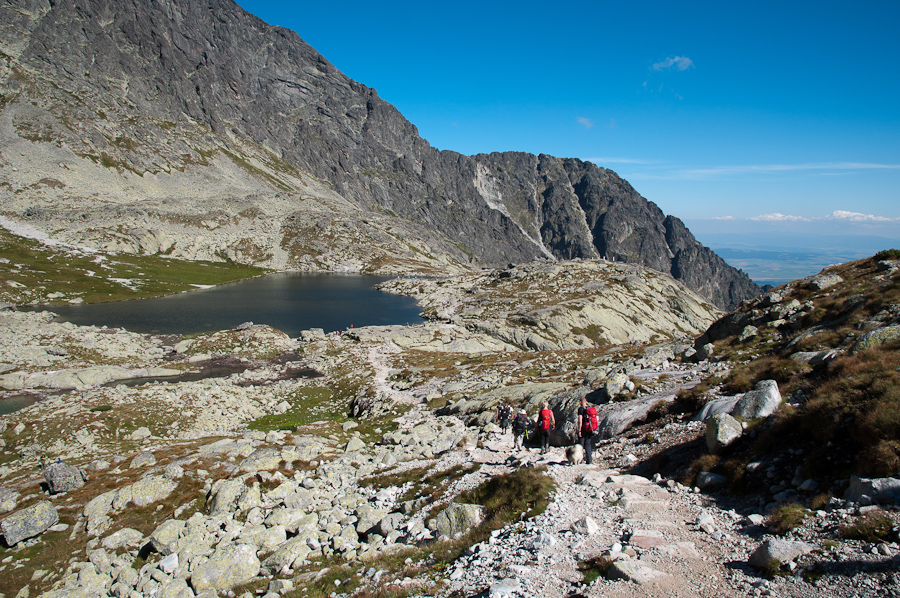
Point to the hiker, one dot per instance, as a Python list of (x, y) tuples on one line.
[(587, 427), (545, 423), (504, 412), (520, 428)]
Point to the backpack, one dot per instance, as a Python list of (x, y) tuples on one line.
[(589, 421), (546, 418), (505, 412), (520, 423)]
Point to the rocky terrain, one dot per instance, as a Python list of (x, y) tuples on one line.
[(368, 462), (200, 132)]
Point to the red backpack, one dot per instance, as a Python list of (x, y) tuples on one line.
[(590, 419), (546, 418)]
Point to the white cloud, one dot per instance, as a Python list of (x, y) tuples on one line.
[(678, 63), (777, 217), (728, 218), (585, 122), (859, 217)]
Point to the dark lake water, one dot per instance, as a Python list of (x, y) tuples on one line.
[(290, 302)]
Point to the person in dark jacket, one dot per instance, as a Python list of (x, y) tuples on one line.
[(520, 427)]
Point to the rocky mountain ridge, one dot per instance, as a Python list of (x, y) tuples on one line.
[(199, 131)]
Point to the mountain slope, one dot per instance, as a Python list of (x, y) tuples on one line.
[(199, 131)]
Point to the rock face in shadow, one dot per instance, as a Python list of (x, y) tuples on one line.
[(134, 111)]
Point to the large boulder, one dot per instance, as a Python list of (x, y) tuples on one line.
[(456, 518), (286, 555), (615, 384), (876, 338), (224, 496), (721, 431), (716, 406), (615, 418), (29, 522), (774, 553), (824, 281), (873, 490), (762, 401), (151, 489), (228, 566), (62, 477), (165, 536), (262, 459)]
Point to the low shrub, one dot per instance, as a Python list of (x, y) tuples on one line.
[(888, 254), (871, 527), (510, 497), (786, 517)]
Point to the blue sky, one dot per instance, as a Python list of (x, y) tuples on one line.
[(737, 117)]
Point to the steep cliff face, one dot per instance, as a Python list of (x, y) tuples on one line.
[(135, 114)]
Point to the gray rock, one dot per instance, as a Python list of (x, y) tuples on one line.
[(633, 571), (876, 338), (722, 430), (261, 459), (228, 566), (881, 490), (28, 522), (505, 588), (125, 537), (456, 518), (166, 535), (774, 553), (542, 540), (721, 405), (586, 526), (367, 517), (151, 489), (8, 500), (354, 445), (140, 434), (177, 588), (62, 477), (390, 523), (706, 351), (762, 401), (707, 480), (143, 460), (615, 384), (747, 333), (824, 281), (169, 564), (293, 551)]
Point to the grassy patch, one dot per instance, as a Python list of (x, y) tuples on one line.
[(786, 517), (509, 497), (37, 271), (875, 526)]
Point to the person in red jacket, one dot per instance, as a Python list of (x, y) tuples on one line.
[(545, 423), (587, 427)]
